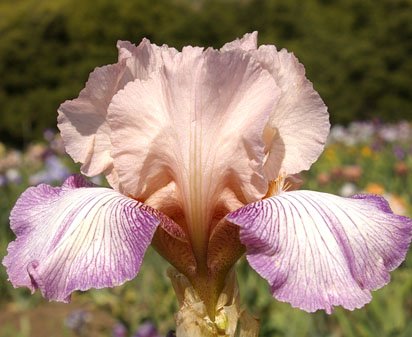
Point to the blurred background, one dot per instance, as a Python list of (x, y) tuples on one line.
[(356, 52)]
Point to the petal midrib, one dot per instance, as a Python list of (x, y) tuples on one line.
[(196, 224)]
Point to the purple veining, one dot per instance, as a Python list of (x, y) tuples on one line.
[(327, 250)]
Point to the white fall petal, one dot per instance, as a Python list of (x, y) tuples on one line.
[(77, 237), (318, 250)]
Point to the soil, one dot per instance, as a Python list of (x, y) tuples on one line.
[(49, 319)]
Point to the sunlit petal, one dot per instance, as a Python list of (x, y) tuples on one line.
[(197, 122), (126, 49), (299, 124), (299, 111), (247, 42), (83, 121)]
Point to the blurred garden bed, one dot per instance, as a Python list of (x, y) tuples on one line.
[(370, 157)]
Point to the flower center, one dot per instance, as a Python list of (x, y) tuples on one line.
[(283, 183), (277, 186)]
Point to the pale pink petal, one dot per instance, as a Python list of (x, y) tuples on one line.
[(299, 124), (247, 42), (76, 237), (197, 122), (318, 250), (125, 49), (145, 58), (83, 121), (300, 111)]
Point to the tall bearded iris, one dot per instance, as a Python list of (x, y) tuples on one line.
[(200, 148)]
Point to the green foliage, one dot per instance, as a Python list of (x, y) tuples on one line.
[(357, 52)]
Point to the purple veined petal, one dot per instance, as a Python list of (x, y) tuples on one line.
[(77, 237), (318, 250)]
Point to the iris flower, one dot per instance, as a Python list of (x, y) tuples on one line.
[(201, 148)]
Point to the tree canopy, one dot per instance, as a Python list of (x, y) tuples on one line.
[(356, 52)]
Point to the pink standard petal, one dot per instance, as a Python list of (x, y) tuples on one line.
[(318, 250), (126, 49), (203, 114), (247, 42), (299, 125), (197, 122), (83, 121), (299, 111), (77, 237)]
